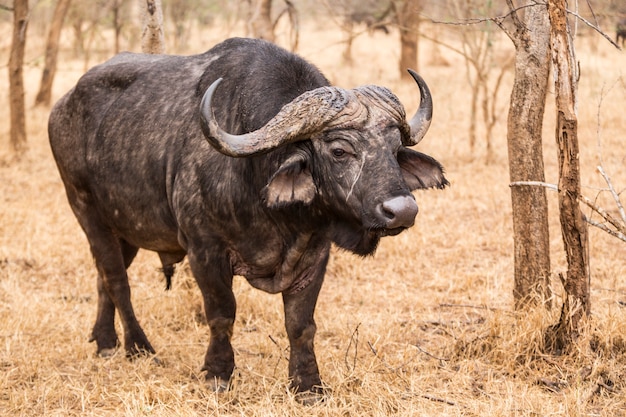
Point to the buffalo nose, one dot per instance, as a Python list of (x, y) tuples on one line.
[(399, 212)]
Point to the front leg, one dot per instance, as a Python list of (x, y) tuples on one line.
[(300, 325), (214, 277)]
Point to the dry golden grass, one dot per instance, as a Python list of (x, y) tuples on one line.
[(425, 327)]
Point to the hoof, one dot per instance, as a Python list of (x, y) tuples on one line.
[(218, 384), (107, 352), (138, 351), (310, 398)]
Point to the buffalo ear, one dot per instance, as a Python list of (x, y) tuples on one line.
[(420, 171), (291, 183)]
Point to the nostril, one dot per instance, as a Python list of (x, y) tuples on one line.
[(387, 212), (399, 211)]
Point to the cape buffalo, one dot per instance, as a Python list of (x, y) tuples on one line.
[(245, 160)]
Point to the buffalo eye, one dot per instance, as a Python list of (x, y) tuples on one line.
[(338, 153)]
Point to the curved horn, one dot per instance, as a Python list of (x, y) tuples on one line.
[(420, 122), (302, 117), (233, 145)]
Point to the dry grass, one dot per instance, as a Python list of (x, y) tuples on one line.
[(425, 327)]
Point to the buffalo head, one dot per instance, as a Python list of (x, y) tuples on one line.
[(351, 156)]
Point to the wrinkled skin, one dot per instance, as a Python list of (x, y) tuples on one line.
[(139, 172)]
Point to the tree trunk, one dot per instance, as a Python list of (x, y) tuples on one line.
[(529, 203), (261, 21), (16, 77), (117, 23), (348, 28), (52, 49), (152, 38), (573, 227), (407, 14)]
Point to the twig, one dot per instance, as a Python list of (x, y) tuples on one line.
[(483, 307), (621, 228), (620, 233), (613, 193), (604, 227), (430, 354), (389, 367), (477, 20), (439, 400), (547, 185), (355, 337), (280, 349), (518, 23), (607, 387), (278, 346), (514, 16), (594, 27), (610, 290), (375, 352)]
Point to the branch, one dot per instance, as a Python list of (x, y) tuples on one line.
[(7, 8), (605, 228), (445, 45), (620, 233), (354, 338), (478, 307), (547, 185), (497, 20), (621, 228), (430, 354), (613, 193), (513, 12), (438, 400), (594, 27)]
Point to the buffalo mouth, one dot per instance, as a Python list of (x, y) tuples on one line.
[(382, 232), (361, 239)]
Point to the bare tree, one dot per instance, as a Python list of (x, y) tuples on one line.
[(573, 226), (403, 14), (16, 77), (294, 23), (530, 33), (152, 37), (407, 14), (260, 23), (178, 13), (356, 17), (118, 22), (52, 50), (260, 20), (86, 19), (485, 71)]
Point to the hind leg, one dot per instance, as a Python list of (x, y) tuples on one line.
[(112, 255), (103, 332), (108, 253)]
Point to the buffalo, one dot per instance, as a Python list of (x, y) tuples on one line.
[(246, 160)]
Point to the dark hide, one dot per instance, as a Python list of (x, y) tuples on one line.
[(139, 173)]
